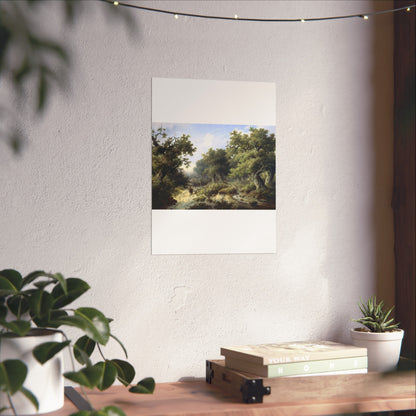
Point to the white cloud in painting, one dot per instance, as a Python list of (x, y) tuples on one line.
[(202, 144), (207, 141)]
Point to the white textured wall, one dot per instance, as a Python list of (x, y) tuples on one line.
[(79, 199)]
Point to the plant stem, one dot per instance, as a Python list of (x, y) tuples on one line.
[(19, 310), (101, 353), (11, 404), (73, 369)]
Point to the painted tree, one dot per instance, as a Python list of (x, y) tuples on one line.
[(169, 156), (213, 165), (253, 156), (200, 172)]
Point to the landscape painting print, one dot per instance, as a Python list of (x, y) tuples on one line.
[(213, 167)]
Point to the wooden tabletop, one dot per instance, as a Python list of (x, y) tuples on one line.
[(198, 398)]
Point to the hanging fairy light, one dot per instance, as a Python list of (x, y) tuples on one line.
[(176, 14)]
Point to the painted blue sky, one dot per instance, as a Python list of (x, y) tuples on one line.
[(204, 136)]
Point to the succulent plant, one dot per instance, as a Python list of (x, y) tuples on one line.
[(375, 318)]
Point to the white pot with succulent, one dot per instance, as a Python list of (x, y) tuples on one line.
[(381, 336)]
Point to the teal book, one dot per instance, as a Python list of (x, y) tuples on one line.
[(338, 365)]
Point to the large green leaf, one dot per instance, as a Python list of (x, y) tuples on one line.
[(75, 288), (18, 327), (7, 287), (62, 281), (145, 386), (31, 277), (92, 322), (12, 375), (82, 357), (18, 305), (55, 315), (13, 276), (3, 312), (88, 376), (108, 374), (125, 371), (45, 351), (43, 284), (75, 321), (29, 395), (83, 349), (53, 278), (98, 328), (40, 304)]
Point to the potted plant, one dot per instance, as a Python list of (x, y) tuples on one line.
[(34, 310), (380, 335)]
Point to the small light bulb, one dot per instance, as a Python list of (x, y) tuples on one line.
[(176, 16), (115, 3), (302, 20), (236, 16), (408, 9), (365, 17)]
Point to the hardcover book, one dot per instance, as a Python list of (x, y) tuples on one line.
[(299, 368), (292, 352), (332, 373)]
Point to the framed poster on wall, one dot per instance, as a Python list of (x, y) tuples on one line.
[(213, 167)]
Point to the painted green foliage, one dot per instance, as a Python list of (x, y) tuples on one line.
[(169, 155), (241, 175), (252, 156)]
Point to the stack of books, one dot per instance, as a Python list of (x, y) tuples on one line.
[(296, 359)]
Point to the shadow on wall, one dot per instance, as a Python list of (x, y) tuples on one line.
[(362, 227), (382, 142), (403, 202)]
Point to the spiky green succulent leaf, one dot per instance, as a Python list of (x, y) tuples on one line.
[(375, 318)]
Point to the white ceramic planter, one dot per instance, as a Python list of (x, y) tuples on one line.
[(44, 381), (383, 348)]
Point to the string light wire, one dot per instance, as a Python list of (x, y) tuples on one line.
[(176, 14)]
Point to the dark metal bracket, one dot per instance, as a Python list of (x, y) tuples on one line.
[(253, 391), (77, 399), (209, 373)]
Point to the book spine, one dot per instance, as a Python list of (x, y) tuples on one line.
[(313, 367), (314, 356), (309, 367), (334, 373), (260, 358)]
